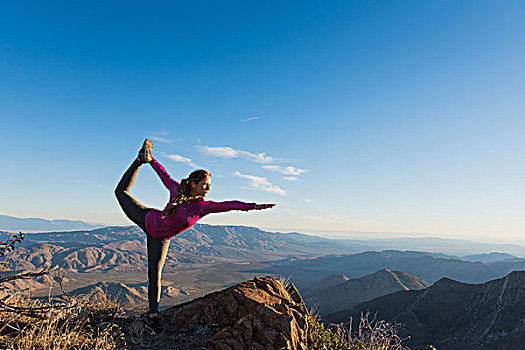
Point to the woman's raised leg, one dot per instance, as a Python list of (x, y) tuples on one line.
[(133, 209)]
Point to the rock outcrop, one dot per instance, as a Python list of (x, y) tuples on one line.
[(256, 314)]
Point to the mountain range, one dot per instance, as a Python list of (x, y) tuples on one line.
[(11, 223), (490, 257), (334, 297), (122, 249), (452, 315), (430, 267), (451, 247)]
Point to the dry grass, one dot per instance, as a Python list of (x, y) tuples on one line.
[(79, 323)]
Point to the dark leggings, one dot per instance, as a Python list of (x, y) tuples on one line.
[(157, 249)]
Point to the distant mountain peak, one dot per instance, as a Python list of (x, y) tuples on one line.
[(354, 291), (446, 282)]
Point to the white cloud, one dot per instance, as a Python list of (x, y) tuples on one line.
[(161, 139), (291, 178), (181, 159), (228, 152), (250, 119), (262, 183), (289, 170)]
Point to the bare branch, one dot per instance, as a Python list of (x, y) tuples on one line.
[(60, 278), (27, 275), (9, 326)]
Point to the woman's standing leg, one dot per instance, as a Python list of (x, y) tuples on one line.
[(157, 252)]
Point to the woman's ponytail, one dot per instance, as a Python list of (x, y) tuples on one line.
[(183, 192)]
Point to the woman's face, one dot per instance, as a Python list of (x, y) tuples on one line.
[(201, 188)]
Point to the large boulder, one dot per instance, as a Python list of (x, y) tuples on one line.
[(256, 314)]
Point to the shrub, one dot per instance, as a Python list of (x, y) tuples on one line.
[(370, 335), (321, 338)]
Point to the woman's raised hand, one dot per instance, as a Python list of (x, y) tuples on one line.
[(264, 206)]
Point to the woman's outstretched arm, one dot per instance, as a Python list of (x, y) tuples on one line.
[(166, 179), (208, 207)]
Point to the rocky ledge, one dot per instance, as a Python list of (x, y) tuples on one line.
[(256, 314)]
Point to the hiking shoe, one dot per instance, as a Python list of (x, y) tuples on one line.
[(155, 326), (145, 152)]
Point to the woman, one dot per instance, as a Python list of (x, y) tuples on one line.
[(185, 207)]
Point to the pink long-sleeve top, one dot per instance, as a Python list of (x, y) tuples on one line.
[(187, 214)]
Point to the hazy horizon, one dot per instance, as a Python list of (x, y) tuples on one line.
[(330, 234)]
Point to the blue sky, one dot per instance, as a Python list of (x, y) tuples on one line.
[(372, 116)]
